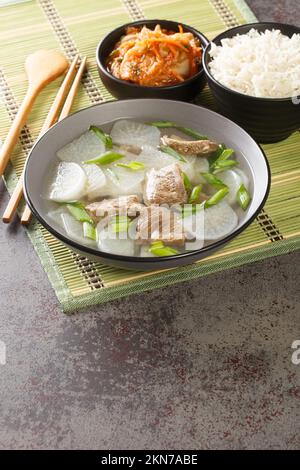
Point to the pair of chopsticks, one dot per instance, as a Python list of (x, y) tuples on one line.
[(60, 108)]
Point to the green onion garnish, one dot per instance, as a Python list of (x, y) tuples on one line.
[(163, 124), (221, 154), (217, 197), (213, 180), (184, 130), (225, 154), (89, 231), (214, 156), (195, 194), (192, 133), (105, 158), (79, 213), (223, 157), (159, 249), (243, 197), (105, 138), (187, 182), (134, 166), (119, 223), (172, 152), (224, 165)]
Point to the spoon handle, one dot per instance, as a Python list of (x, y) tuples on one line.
[(16, 127)]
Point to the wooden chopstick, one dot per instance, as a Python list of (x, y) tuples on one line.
[(49, 121), (26, 216), (73, 91)]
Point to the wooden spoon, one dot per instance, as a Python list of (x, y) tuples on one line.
[(42, 67)]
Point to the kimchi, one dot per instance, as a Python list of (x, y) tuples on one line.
[(156, 57)]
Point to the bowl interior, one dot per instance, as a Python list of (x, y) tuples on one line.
[(108, 42), (286, 29), (43, 155)]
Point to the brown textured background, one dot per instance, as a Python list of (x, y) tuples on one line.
[(205, 364)]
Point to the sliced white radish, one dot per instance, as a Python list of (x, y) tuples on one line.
[(194, 230), (122, 182), (69, 183), (85, 147), (151, 157), (201, 165), (129, 132), (233, 181), (74, 230), (194, 225), (111, 186), (243, 176), (189, 167), (219, 220), (110, 243), (55, 215), (96, 181)]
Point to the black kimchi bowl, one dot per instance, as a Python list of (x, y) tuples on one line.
[(266, 119), (122, 89)]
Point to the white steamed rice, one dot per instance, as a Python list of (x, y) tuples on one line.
[(258, 64)]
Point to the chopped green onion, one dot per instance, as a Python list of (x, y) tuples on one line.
[(163, 124), (134, 166), (105, 138), (195, 194), (105, 158), (222, 153), (217, 197), (243, 197), (187, 183), (214, 156), (185, 130), (158, 244), (89, 231), (119, 223), (224, 165), (222, 157), (78, 212), (192, 133), (213, 180), (159, 249), (172, 152), (226, 154)]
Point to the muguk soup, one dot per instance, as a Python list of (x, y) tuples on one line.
[(147, 189)]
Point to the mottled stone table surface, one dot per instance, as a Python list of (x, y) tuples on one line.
[(203, 365)]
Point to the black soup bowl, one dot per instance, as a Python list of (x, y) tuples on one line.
[(266, 119), (122, 89)]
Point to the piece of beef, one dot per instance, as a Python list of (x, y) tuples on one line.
[(159, 223), (125, 205), (165, 186), (190, 147)]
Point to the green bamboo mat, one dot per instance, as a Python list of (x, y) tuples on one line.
[(78, 26)]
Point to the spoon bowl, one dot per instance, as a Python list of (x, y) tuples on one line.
[(41, 67)]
